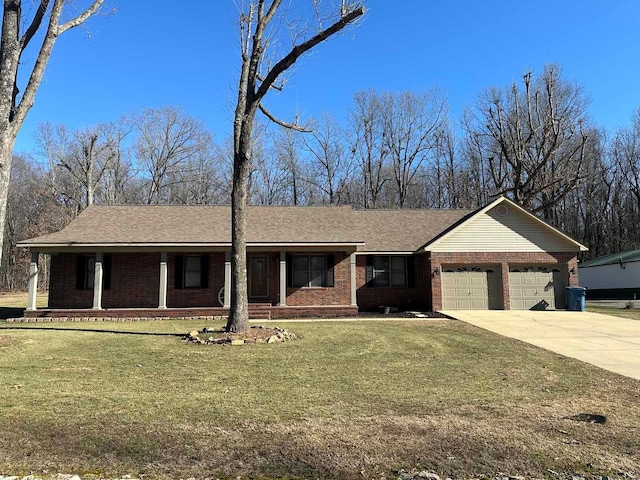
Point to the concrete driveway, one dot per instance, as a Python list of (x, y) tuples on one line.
[(608, 342)]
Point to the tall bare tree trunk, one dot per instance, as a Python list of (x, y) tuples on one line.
[(13, 44), (256, 37), (239, 315), (7, 141)]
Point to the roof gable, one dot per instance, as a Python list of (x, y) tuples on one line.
[(502, 226)]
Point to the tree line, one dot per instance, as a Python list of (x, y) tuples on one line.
[(532, 142)]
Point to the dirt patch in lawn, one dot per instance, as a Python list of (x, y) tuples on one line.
[(6, 340)]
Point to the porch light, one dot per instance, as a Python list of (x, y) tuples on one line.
[(436, 271)]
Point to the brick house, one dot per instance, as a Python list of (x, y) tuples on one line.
[(322, 261)]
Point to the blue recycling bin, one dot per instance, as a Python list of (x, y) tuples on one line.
[(576, 299)]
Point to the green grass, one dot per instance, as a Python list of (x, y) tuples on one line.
[(632, 313), (344, 400)]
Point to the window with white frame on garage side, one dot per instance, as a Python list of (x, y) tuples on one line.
[(389, 271)]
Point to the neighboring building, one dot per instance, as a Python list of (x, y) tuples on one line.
[(322, 261), (615, 276)]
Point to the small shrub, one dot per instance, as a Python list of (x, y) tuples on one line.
[(629, 305)]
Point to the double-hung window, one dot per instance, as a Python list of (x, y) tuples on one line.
[(311, 271), (192, 271), (388, 271)]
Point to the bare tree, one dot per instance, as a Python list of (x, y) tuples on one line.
[(286, 145), (330, 163), (533, 140), (47, 19), (82, 156), (262, 69), (411, 123), (118, 183), (368, 146), (166, 140)]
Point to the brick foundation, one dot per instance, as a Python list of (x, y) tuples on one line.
[(260, 312)]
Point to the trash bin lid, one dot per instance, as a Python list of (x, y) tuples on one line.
[(576, 289)]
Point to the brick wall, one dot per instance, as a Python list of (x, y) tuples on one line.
[(501, 260), (339, 294), (135, 281), (417, 297), (194, 297), (62, 284)]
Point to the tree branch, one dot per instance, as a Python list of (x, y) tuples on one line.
[(291, 126), (298, 50), (35, 24), (93, 8), (51, 34), (275, 87)]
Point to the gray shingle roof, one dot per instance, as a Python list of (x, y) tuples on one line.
[(379, 230)]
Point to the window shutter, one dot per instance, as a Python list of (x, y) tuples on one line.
[(106, 272), (204, 271), (81, 272), (370, 270), (331, 261), (411, 272), (289, 258), (179, 271)]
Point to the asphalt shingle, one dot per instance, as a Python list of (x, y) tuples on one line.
[(379, 230)]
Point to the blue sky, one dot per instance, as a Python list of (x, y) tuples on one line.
[(153, 53)]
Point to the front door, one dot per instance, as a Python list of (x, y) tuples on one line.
[(258, 276)]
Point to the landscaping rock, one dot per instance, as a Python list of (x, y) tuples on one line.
[(237, 341), (402, 475), (429, 475)]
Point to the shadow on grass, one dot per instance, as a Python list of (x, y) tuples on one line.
[(11, 312), (97, 330)]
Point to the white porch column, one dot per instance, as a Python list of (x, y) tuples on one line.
[(97, 283), (283, 278), (33, 281), (352, 264), (227, 279), (162, 298)]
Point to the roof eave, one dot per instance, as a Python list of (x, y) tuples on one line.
[(67, 245)]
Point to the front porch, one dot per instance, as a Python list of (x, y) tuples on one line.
[(195, 283)]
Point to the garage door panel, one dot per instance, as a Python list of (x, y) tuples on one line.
[(469, 287), (535, 286), (479, 304)]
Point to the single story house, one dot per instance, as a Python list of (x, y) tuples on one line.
[(321, 261), (615, 276)]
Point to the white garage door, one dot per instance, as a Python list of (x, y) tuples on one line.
[(536, 287), (470, 288)]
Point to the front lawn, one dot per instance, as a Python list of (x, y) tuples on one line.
[(344, 400), (632, 313)]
